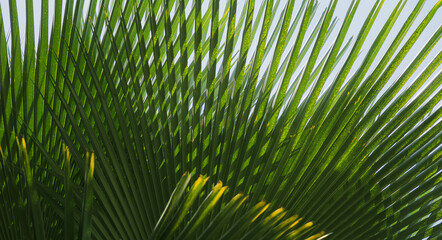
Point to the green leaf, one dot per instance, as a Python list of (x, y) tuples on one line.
[(86, 221), (284, 101), (33, 196)]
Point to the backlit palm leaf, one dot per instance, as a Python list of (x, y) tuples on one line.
[(105, 118)]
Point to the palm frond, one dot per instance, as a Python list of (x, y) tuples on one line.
[(107, 114)]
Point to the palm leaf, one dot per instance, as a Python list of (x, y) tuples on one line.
[(104, 121)]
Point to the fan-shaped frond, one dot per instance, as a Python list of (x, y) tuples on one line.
[(107, 113)]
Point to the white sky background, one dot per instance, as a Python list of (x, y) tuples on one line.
[(362, 12)]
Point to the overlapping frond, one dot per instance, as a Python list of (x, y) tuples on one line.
[(105, 118)]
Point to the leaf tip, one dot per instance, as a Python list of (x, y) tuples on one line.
[(92, 166)]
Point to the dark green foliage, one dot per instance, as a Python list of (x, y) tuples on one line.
[(104, 121)]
